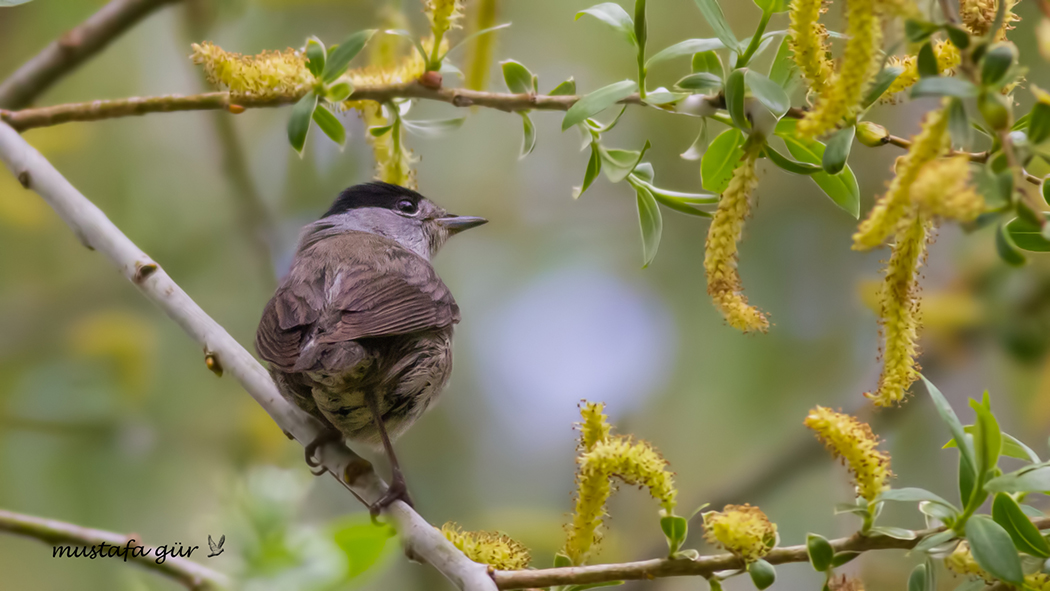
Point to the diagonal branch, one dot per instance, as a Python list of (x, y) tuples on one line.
[(73, 48), (421, 540), (187, 572), (704, 566)]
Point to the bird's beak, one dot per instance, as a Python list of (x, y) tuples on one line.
[(458, 223)]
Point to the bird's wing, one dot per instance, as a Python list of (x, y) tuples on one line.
[(211, 543), (222, 540), (354, 286)]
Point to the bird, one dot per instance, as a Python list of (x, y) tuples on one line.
[(216, 549), (359, 332)]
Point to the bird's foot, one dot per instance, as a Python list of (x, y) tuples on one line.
[(398, 491), (310, 450)]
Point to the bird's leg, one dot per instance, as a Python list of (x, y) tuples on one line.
[(398, 490), (329, 435)]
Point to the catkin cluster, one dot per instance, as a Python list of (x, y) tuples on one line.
[(603, 456), (720, 256), (743, 530), (492, 548), (853, 441), (271, 74)]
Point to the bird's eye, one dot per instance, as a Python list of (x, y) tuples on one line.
[(407, 206)]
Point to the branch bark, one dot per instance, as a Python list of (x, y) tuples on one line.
[(187, 572), (73, 48), (222, 353), (704, 566)]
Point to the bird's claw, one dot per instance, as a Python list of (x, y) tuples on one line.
[(398, 491), (310, 449)]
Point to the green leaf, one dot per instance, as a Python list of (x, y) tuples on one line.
[(958, 36), (315, 56), (842, 188), (599, 128), (927, 62), (597, 101), (528, 142), (651, 222), (987, 438), (959, 124), (338, 93), (918, 31), (682, 48), (640, 26), (518, 78), (708, 61), (838, 148), (594, 166), (1006, 248), (734, 92), (968, 480), (299, 122), (462, 42), (339, 58), (767, 92), (993, 549), (413, 39), (917, 579), (1012, 447), (1027, 235), (784, 72), (996, 62), (934, 540), (617, 164), (948, 415), (1039, 123), (662, 96), (689, 203), (720, 159), (615, 16), (1024, 481), (362, 543), (883, 80), (675, 529), (431, 128), (713, 15), (700, 82), (1026, 536), (785, 163), (330, 125), (911, 495), (820, 552), (941, 86), (762, 574), (562, 561), (566, 88)]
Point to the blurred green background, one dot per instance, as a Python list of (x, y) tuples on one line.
[(109, 418)]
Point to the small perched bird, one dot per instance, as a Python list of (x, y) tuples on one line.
[(359, 334)]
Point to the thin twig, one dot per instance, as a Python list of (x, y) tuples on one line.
[(704, 566), (222, 353), (50, 531), (71, 49)]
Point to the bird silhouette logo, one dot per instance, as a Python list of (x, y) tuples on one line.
[(216, 549)]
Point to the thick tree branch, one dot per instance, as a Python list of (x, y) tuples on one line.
[(187, 572), (222, 353), (73, 48), (704, 566)]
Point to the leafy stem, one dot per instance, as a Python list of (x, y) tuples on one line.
[(756, 39)]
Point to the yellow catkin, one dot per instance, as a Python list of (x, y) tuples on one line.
[(943, 190), (930, 143), (842, 96), (443, 15), (720, 256), (492, 548), (595, 425), (979, 15), (743, 530), (809, 43), (947, 59), (853, 441), (267, 75), (602, 457), (1037, 581), (961, 562), (899, 315)]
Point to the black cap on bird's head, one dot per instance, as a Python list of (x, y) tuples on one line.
[(398, 213)]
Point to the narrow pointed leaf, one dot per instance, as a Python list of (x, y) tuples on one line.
[(767, 92), (565, 88), (617, 164), (651, 223), (883, 80), (594, 166), (339, 58), (299, 122), (597, 101), (1023, 481), (330, 125), (734, 92), (528, 142), (842, 188), (615, 16), (699, 145), (721, 157), (518, 78), (993, 549), (716, 18), (683, 48), (431, 128), (792, 166), (1026, 536), (315, 56), (837, 151)]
